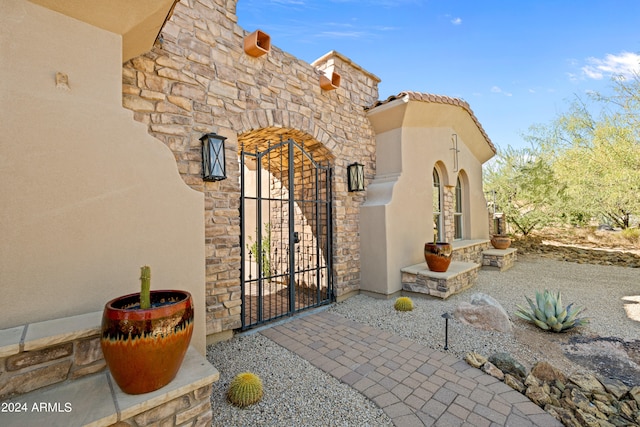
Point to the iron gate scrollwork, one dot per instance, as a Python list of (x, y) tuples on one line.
[(286, 232)]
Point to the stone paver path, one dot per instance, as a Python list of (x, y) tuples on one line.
[(414, 385)]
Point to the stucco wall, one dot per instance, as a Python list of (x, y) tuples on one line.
[(397, 218), (88, 196)]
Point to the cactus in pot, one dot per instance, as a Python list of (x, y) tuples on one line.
[(145, 287), (145, 336)]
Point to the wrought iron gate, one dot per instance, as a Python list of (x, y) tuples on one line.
[(286, 232)]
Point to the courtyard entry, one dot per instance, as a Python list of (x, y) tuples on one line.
[(286, 231)]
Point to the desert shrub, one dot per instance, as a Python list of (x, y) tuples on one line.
[(549, 313), (631, 234)]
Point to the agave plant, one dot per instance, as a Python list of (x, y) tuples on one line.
[(549, 314)]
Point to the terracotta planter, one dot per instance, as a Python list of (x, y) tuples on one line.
[(257, 43), (500, 241), (145, 348), (330, 82), (438, 256)]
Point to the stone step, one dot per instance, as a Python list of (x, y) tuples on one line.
[(458, 277), (499, 259)]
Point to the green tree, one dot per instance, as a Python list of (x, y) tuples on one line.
[(525, 188), (597, 159)]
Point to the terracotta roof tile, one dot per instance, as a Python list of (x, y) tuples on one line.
[(438, 99)]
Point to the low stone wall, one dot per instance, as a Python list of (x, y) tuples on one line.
[(573, 254), (576, 401)]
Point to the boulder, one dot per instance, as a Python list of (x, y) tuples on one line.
[(483, 312), (509, 365), (547, 373)]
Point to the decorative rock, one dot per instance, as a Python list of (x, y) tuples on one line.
[(483, 312), (587, 419), (626, 409), (531, 380), (514, 383), (618, 421), (476, 360), (492, 370), (538, 395), (547, 373), (509, 365), (604, 408), (635, 393), (563, 415), (616, 387), (581, 400), (587, 382)]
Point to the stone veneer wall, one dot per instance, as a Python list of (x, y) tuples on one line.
[(471, 253), (30, 370), (199, 80), (191, 409)]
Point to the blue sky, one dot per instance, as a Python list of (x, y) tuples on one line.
[(517, 63)]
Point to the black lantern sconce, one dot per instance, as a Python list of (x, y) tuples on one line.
[(213, 167), (355, 177)]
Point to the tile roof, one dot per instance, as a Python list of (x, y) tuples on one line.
[(438, 99)]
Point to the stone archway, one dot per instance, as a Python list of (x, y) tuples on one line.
[(286, 224)]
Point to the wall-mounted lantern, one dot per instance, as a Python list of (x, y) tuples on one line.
[(213, 167), (355, 177), (257, 43)]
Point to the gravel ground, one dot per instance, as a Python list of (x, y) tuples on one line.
[(295, 392), (298, 394)]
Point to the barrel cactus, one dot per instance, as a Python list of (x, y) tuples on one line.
[(549, 314), (403, 304), (245, 389)]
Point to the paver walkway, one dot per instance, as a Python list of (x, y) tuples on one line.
[(414, 385)]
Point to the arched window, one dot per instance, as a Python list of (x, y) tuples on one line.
[(437, 205), (457, 214)]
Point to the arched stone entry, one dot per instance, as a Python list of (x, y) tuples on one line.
[(286, 224)]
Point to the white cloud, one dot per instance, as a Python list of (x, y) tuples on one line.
[(625, 64), (456, 21), (496, 89), (343, 34)]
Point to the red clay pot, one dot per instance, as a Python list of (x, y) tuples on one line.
[(500, 241), (145, 348), (438, 256)]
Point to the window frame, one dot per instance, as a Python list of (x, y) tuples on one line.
[(458, 211)]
